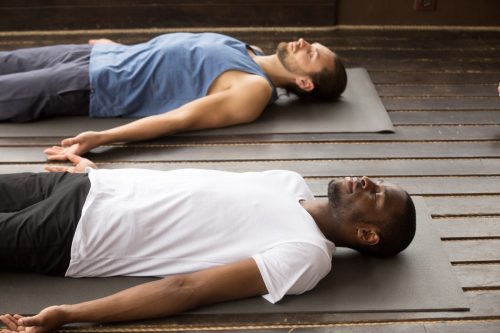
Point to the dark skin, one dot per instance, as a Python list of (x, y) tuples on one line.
[(357, 197), (174, 294)]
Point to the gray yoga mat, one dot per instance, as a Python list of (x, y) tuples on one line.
[(358, 110), (419, 279)]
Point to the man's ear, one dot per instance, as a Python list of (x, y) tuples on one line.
[(304, 83), (367, 235)]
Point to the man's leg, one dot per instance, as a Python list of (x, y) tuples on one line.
[(30, 59), (21, 190), (49, 86), (37, 235), (43, 93)]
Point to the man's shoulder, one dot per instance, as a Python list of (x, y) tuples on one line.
[(289, 175), (253, 83)]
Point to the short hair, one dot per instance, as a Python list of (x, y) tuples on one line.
[(395, 235), (328, 84)]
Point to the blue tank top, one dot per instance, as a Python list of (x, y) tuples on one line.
[(162, 74)]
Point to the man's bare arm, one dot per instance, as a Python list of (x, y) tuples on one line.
[(155, 299), (240, 104)]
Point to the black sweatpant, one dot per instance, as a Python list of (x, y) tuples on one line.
[(39, 213), (44, 81)]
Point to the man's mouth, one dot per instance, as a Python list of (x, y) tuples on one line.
[(351, 183)]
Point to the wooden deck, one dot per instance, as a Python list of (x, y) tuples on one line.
[(440, 88)]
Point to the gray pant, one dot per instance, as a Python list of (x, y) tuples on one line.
[(43, 82)]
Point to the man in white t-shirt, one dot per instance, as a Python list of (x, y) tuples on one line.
[(212, 235)]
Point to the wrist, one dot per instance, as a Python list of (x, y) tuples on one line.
[(102, 138), (108, 136), (66, 314)]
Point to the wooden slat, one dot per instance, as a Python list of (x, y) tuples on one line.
[(432, 90), (473, 250), (320, 168), (409, 65), (451, 54), (444, 117), (437, 103), (477, 326), (271, 151), (420, 77), (474, 227), (477, 276), (476, 205)]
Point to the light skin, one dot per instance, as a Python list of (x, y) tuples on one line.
[(175, 294), (233, 98)]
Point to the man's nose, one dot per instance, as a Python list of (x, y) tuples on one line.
[(367, 183), (303, 43)]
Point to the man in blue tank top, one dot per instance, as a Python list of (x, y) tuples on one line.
[(173, 83)]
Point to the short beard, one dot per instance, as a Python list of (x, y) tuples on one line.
[(334, 196), (282, 53), (339, 210)]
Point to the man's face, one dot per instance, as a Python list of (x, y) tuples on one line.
[(301, 58), (362, 200)]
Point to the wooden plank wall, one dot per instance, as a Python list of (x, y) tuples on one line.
[(127, 14), (402, 12), (440, 89)]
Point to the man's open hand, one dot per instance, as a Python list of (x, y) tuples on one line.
[(47, 320), (77, 145), (80, 164)]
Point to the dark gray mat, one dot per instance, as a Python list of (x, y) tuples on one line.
[(420, 279), (359, 110)]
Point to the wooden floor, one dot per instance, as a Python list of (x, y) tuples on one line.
[(440, 89)]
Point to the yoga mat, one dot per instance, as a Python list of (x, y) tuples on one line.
[(419, 279), (358, 110)]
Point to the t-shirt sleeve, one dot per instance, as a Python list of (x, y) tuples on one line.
[(292, 268)]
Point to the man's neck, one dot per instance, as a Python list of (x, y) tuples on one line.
[(274, 69), (333, 229)]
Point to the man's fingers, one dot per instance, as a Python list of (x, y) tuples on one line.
[(68, 142), (55, 168), (9, 321), (4, 320), (58, 157), (73, 158), (54, 150), (30, 321)]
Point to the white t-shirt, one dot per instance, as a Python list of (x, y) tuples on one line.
[(139, 222)]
